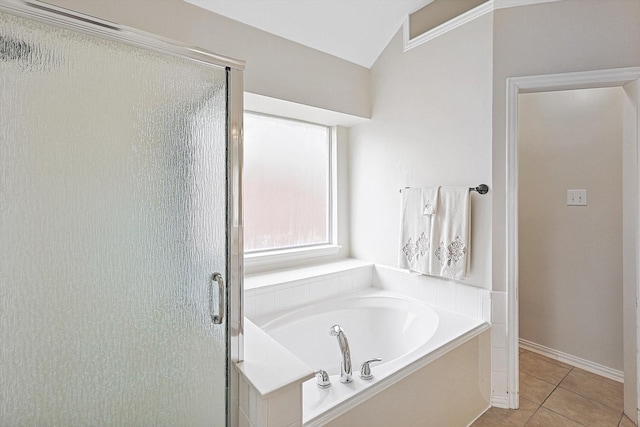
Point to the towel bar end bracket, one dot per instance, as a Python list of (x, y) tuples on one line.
[(482, 189)]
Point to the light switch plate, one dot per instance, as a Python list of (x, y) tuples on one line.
[(576, 197)]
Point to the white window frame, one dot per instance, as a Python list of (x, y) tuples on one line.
[(284, 257)]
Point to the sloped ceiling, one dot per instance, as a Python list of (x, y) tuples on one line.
[(354, 30)]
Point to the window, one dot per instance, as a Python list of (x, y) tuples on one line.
[(287, 184)]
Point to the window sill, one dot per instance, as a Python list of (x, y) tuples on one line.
[(261, 281), (278, 258)]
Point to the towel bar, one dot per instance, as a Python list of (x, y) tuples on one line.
[(481, 189)]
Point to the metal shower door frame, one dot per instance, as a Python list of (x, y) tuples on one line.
[(233, 321)]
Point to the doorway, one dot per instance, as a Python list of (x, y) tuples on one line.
[(627, 80), (570, 226)]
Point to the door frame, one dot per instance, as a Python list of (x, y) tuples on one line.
[(233, 318), (235, 239), (619, 77)]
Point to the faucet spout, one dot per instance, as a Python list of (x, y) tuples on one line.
[(345, 353)]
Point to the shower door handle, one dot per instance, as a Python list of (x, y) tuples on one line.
[(217, 281)]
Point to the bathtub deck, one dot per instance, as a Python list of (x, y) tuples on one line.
[(430, 361), (323, 405), (268, 366)]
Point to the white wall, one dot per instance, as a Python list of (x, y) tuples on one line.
[(276, 67), (549, 38), (570, 257), (431, 125)]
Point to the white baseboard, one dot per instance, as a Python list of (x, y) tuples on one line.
[(476, 418), (592, 367), (500, 402)]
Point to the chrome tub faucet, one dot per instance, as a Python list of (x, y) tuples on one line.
[(345, 353)]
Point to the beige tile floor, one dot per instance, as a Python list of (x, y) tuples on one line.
[(554, 394)]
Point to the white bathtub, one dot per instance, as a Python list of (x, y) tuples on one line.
[(407, 334)]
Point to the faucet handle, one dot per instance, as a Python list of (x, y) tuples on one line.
[(365, 369), (323, 380)]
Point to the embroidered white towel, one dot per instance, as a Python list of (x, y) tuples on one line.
[(430, 200), (414, 232), (451, 233)]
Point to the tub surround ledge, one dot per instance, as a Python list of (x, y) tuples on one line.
[(283, 290), (279, 277), (271, 378), (267, 365)]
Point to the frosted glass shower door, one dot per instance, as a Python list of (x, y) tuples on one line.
[(112, 222)]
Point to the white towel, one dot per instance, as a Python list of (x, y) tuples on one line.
[(451, 233), (415, 246), (430, 200)]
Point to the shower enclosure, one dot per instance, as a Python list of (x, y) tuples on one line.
[(119, 225)]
